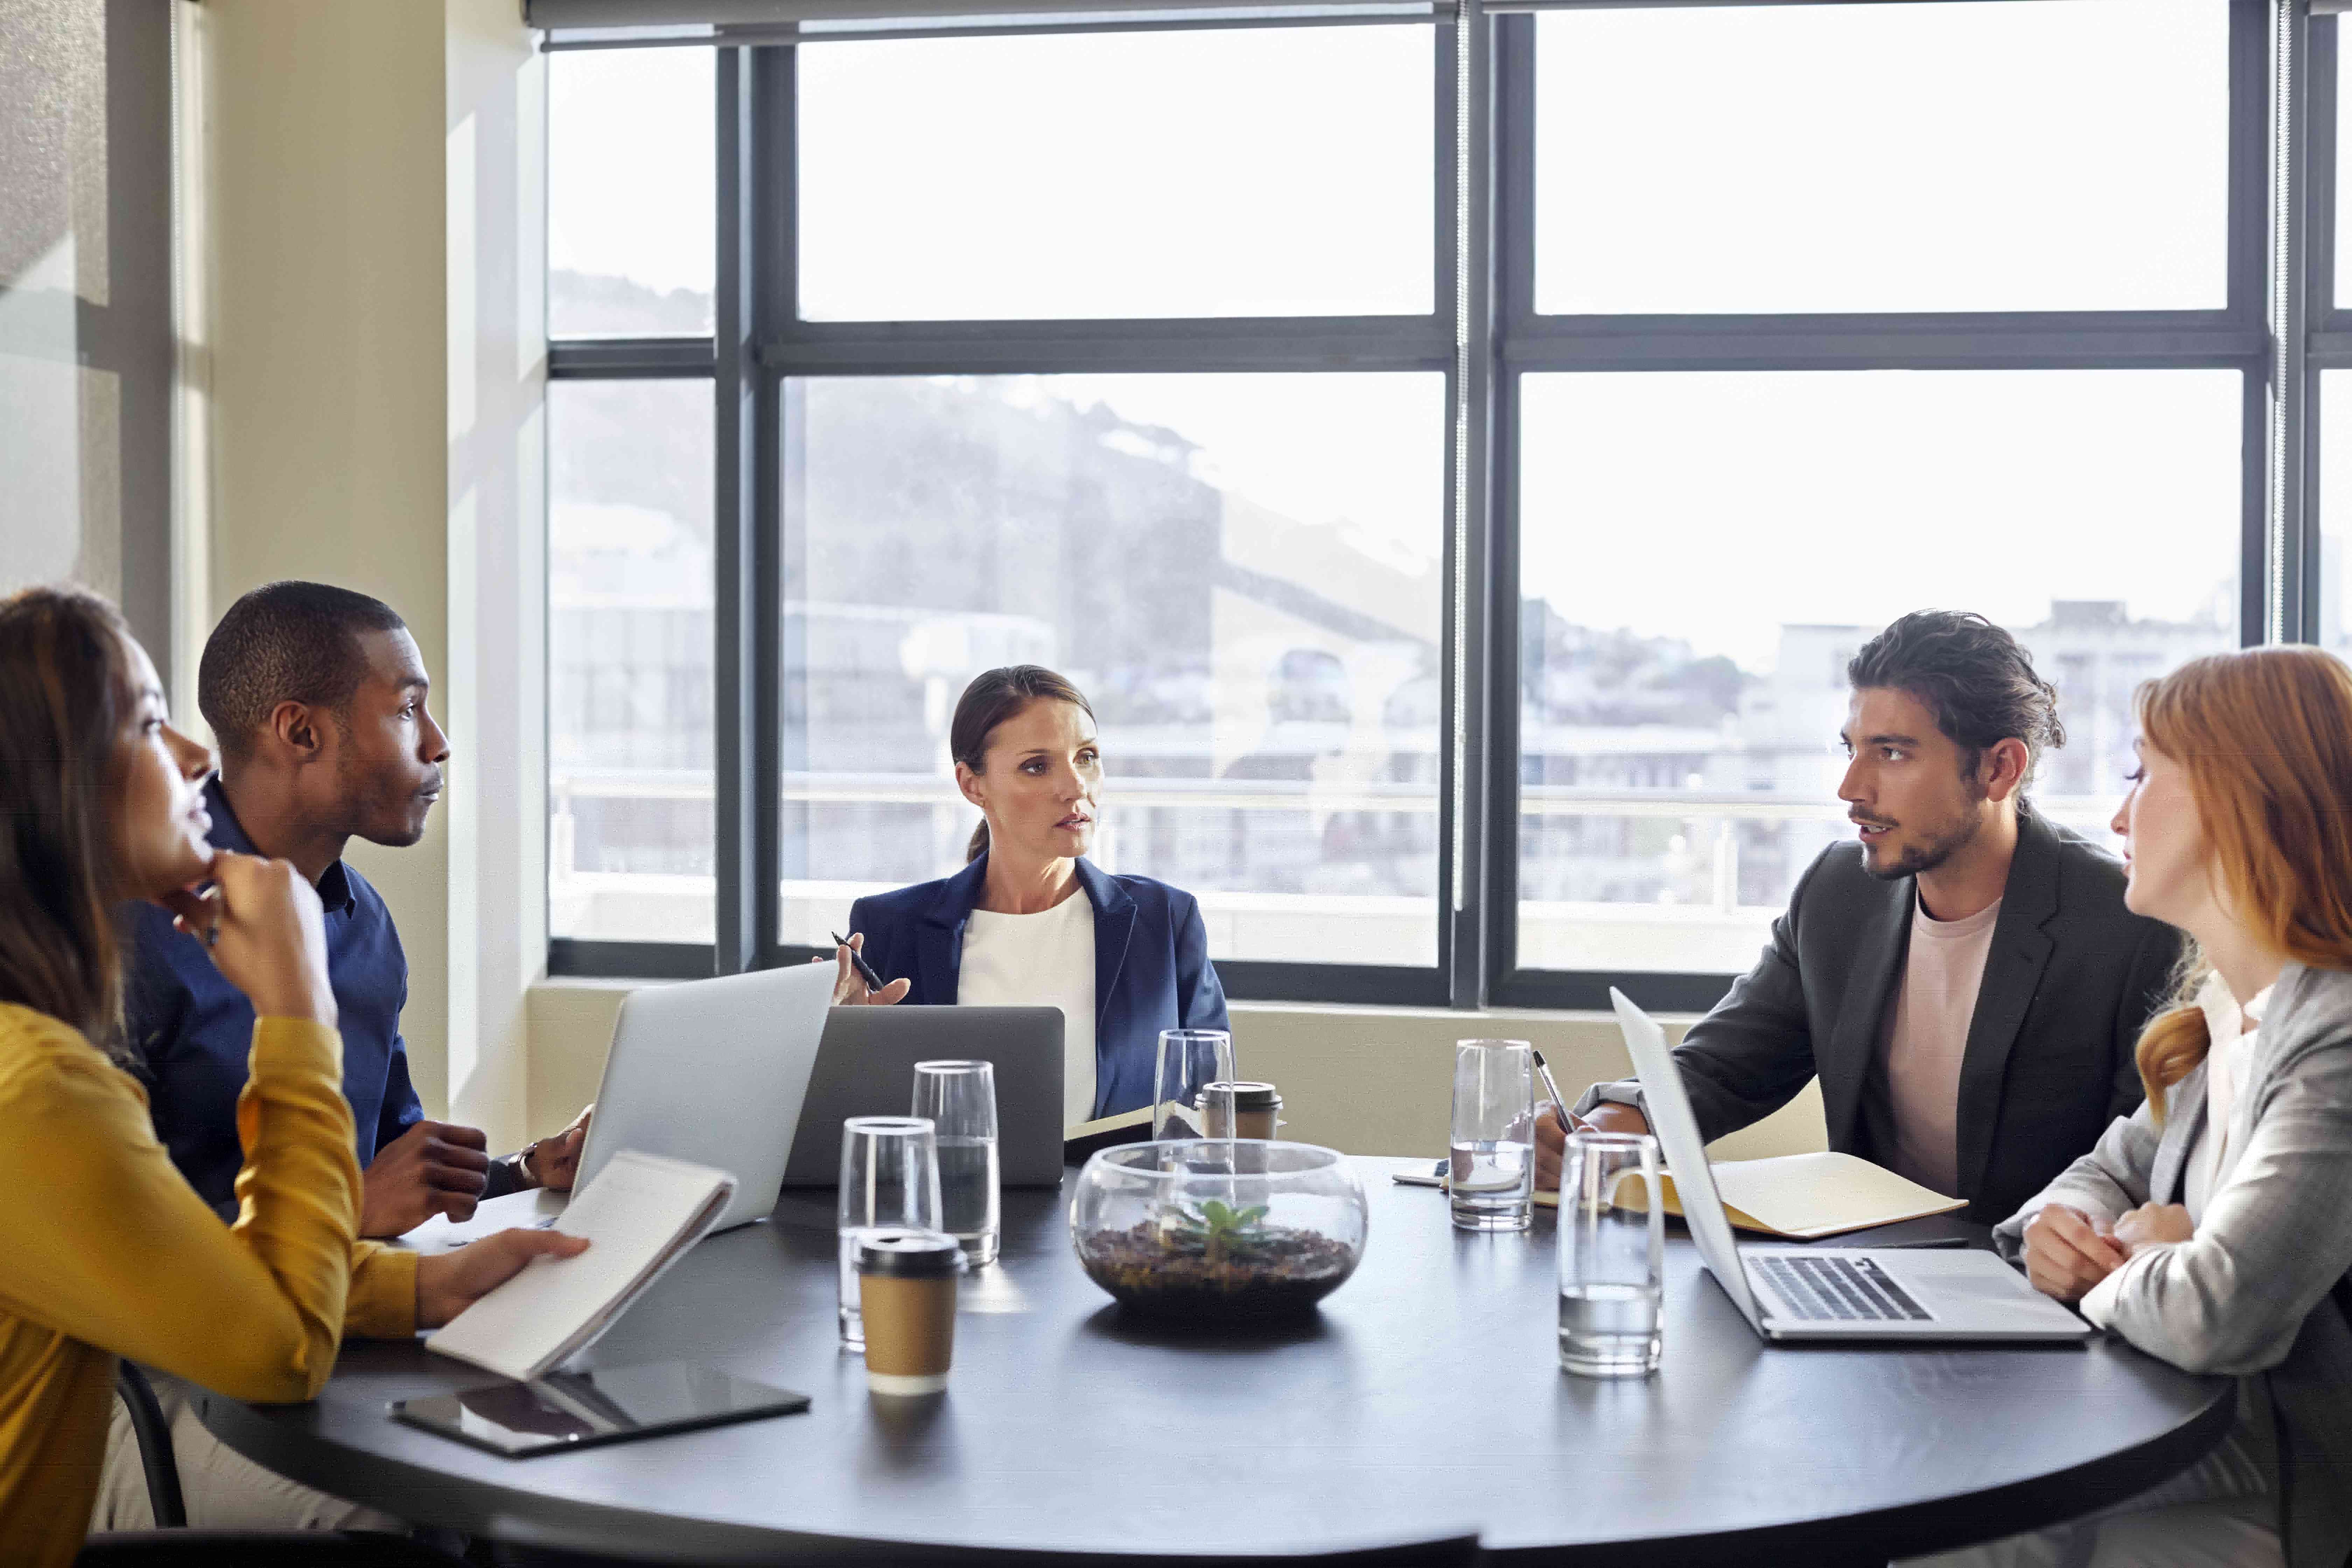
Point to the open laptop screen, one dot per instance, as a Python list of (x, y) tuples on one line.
[(1672, 1119)]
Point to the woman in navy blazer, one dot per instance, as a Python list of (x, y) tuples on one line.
[(1027, 754)]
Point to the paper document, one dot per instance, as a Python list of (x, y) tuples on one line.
[(533, 1210), (1806, 1196), (640, 1214)]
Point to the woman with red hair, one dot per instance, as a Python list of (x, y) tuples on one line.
[(2213, 1227)]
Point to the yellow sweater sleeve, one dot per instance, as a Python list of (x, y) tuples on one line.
[(103, 1241)]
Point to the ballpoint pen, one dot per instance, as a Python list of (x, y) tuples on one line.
[(865, 971), (1566, 1122)]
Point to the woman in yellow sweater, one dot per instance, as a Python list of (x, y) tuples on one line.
[(105, 1251)]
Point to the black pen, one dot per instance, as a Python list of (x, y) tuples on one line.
[(864, 970)]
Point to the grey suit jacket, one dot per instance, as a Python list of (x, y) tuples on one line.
[(2250, 1294), (2070, 978)]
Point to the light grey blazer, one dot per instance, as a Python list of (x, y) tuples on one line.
[(2261, 1289)]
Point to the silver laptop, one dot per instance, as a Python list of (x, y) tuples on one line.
[(713, 1072), (1820, 1293), (867, 1067)]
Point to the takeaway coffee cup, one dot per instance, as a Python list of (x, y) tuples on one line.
[(907, 1286), (1255, 1109)]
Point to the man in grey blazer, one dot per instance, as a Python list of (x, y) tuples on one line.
[(1963, 975)]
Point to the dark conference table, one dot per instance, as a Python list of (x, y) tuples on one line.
[(1425, 1401)]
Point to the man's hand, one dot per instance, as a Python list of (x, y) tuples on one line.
[(2067, 1252), (849, 988), (1551, 1138), (553, 1163), (2153, 1225), (450, 1282), (432, 1168)]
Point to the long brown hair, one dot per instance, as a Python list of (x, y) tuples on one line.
[(66, 694), (2266, 737), (994, 697)]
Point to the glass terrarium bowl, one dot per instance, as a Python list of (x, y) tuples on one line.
[(1211, 1230)]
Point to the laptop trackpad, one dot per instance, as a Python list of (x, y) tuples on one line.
[(1973, 1288)]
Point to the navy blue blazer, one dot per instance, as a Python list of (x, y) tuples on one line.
[(1151, 964)]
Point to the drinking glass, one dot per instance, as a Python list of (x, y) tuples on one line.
[(889, 1177), (1189, 1060), (1613, 1253), (959, 1098), (1494, 1141)]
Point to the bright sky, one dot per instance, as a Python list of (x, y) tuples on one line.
[(2062, 155)]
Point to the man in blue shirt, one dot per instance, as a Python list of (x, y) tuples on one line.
[(317, 697)]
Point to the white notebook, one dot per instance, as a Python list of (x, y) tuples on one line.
[(640, 1214)]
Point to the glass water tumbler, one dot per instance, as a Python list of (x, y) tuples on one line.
[(1612, 1251), (959, 1099), (1189, 1061), (889, 1180), (1494, 1139)]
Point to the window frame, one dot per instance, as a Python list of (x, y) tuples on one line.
[(1483, 334)]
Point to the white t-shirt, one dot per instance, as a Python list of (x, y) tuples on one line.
[(1045, 960)]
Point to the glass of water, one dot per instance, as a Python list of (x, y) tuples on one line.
[(1494, 1143), (1613, 1253), (889, 1179), (959, 1098), (1189, 1060)]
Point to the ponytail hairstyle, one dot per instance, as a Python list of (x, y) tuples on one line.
[(994, 697), (2266, 737), (66, 696)]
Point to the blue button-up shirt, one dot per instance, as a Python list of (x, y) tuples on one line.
[(195, 1030)]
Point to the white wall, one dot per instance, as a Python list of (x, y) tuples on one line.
[(1363, 1079)]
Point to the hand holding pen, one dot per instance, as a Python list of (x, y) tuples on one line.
[(855, 983)]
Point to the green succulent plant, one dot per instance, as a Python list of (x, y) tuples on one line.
[(1218, 1229)]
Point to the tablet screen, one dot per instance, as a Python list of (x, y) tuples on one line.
[(576, 1410)]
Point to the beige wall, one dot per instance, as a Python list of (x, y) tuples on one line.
[(1366, 1080), (376, 374), (328, 369)]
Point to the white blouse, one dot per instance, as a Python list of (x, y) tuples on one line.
[(1045, 960), (2231, 1030)]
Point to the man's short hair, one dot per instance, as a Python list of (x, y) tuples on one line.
[(1977, 679), (285, 642)]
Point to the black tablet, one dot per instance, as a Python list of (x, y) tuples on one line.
[(610, 1405)]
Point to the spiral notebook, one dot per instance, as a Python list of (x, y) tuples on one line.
[(640, 1214)]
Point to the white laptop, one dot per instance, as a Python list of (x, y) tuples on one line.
[(1790, 1293), (713, 1072)]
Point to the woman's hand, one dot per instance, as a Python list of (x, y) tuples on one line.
[(2067, 1252), (262, 924), (2153, 1225), (450, 1282), (849, 989)]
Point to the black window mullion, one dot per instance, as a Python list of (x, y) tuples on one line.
[(734, 536)]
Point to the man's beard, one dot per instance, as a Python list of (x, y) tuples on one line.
[(1929, 854)]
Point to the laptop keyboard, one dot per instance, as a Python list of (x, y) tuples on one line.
[(1829, 1289)]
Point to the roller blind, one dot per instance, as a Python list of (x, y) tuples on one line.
[(638, 24)]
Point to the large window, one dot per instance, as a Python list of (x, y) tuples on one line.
[(1457, 465)]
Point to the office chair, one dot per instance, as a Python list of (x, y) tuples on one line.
[(155, 1456), (173, 1543)]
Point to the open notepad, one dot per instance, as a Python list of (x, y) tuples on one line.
[(1806, 1196), (1082, 1138), (640, 1214)]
